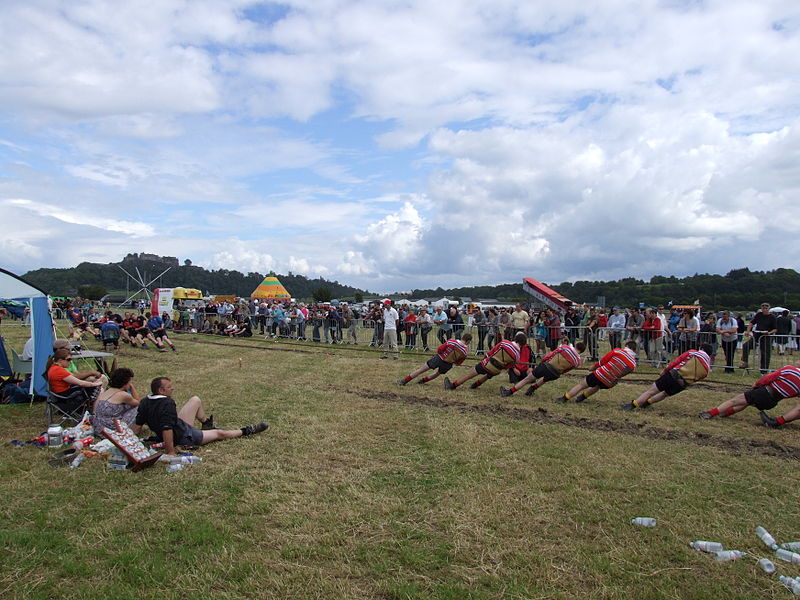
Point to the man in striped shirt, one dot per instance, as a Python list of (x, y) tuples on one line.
[(605, 374), (452, 352), (501, 356), (553, 365), (690, 367), (764, 395)]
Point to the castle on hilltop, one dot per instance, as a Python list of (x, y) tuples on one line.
[(171, 261)]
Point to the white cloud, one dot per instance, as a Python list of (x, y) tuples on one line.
[(405, 145)]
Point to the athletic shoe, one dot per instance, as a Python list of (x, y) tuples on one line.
[(580, 397), (448, 385), (530, 391), (384, 357), (505, 392), (705, 415), (627, 406), (560, 400), (253, 429), (421, 381), (769, 421), (401, 381), (162, 349), (208, 424), (474, 385), (174, 349)]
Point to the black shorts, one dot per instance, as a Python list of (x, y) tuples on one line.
[(186, 435), (593, 381), (159, 333), (547, 371), (481, 370), (671, 382), (437, 363), (763, 398)]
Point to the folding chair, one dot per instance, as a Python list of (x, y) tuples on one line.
[(109, 335), (70, 406), (20, 367)]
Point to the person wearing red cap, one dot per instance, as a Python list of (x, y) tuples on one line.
[(390, 318)]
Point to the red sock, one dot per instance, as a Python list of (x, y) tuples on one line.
[(729, 412), (407, 378), (513, 389), (781, 421), (425, 379), (714, 412)]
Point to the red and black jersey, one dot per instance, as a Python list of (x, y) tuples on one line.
[(785, 381), (453, 351)]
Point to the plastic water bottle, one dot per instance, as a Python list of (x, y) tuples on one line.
[(174, 467), (702, 546), (790, 583), (728, 555), (644, 521), (77, 461), (791, 546), (788, 556), (767, 566), (185, 460), (768, 540)]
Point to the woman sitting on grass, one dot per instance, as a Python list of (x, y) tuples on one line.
[(119, 401)]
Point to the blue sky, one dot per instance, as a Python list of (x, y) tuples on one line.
[(399, 145)]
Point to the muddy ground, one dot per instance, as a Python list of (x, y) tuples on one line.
[(736, 446)]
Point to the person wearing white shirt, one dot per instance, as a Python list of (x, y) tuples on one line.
[(390, 318), (728, 328), (616, 326)]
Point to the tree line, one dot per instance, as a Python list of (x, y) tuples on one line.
[(739, 289)]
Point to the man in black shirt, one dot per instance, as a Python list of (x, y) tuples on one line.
[(159, 413), (762, 327)]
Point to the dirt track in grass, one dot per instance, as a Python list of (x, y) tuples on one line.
[(732, 445)]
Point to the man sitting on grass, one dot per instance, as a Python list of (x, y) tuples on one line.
[(159, 412), (501, 356), (689, 368), (764, 395), (452, 352), (605, 374), (553, 365)]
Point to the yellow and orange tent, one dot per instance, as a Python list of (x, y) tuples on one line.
[(271, 289)]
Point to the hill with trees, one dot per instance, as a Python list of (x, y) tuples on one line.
[(739, 289)]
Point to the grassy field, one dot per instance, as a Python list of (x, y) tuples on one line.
[(363, 489)]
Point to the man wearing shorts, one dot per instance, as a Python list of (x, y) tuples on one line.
[(689, 368), (159, 412), (605, 374), (553, 365), (502, 356), (764, 395), (452, 352)]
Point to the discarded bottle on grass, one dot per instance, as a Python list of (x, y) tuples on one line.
[(791, 546), (185, 460), (174, 467), (644, 521), (703, 546), (728, 555), (77, 461), (788, 556), (767, 566), (790, 583), (768, 540)]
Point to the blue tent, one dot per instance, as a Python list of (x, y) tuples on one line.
[(13, 287)]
